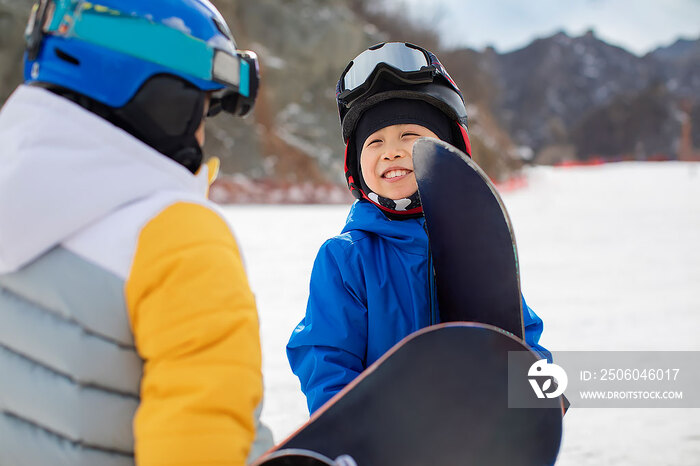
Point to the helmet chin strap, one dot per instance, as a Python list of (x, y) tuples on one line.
[(397, 209)]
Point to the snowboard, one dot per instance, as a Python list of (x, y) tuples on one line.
[(440, 396), (300, 457), (471, 239)]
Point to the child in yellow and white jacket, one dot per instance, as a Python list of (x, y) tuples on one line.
[(129, 332)]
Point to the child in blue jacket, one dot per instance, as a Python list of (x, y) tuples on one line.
[(371, 285)]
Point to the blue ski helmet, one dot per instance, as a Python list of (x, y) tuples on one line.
[(121, 58)]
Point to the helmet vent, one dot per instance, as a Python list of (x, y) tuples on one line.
[(222, 29), (65, 57)]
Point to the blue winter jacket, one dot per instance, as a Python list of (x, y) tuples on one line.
[(371, 286)]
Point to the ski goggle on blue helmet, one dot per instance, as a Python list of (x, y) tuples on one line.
[(142, 38)]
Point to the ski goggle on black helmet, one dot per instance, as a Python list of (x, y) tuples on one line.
[(395, 70)]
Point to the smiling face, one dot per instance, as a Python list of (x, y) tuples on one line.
[(386, 160)]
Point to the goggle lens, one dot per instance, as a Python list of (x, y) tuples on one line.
[(395, 54)]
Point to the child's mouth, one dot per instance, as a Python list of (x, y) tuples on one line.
[(395, 174)]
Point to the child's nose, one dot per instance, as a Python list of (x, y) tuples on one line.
[(395, 153)]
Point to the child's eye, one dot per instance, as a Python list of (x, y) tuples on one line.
[(373, 141), (408, 133)]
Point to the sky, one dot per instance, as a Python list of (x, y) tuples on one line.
[(639, 26)]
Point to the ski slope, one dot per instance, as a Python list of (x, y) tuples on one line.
[(610, 259)]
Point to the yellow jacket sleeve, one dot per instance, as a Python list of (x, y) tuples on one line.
[(196, 327)]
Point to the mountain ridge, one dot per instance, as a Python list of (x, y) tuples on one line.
[(538, 103)]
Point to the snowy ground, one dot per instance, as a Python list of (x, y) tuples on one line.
[(609, 259)]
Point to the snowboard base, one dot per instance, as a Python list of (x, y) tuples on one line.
[(438, 397)]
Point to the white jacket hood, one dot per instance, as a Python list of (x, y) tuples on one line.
[(63, 168)]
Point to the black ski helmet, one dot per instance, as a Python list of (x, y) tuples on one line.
[(394, 70)]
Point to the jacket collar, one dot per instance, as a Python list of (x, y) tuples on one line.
[(408, 235)]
